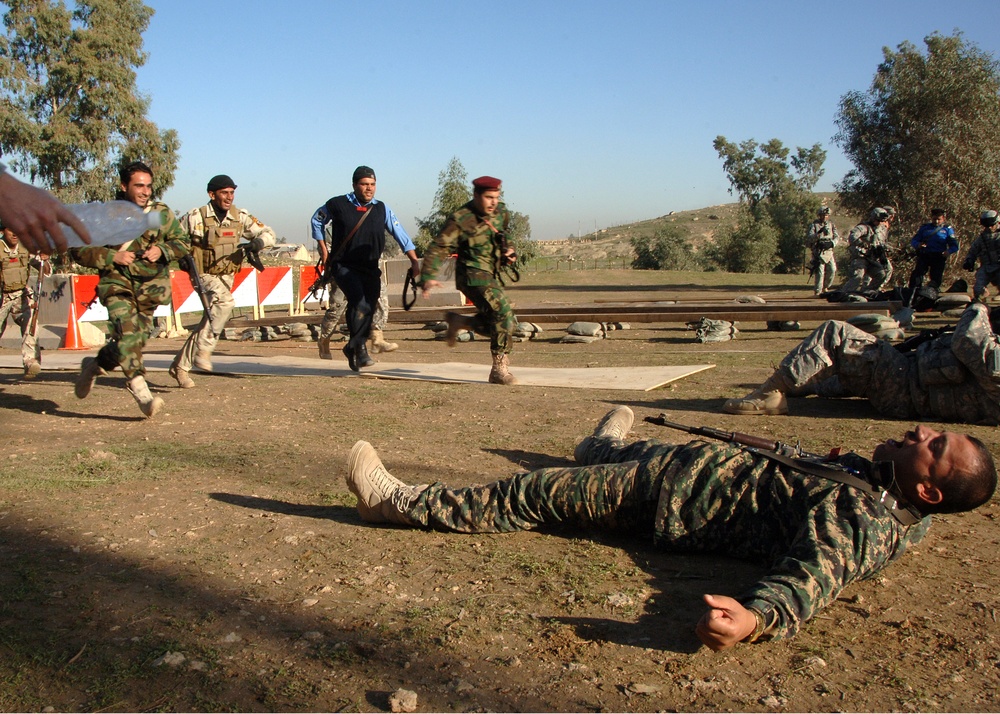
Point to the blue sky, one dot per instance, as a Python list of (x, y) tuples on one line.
[(594, 114)]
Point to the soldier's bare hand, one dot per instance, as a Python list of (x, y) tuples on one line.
[(124, 257), (152, 254), (428, 286), (726, 623)]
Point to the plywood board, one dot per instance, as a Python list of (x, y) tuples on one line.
[(633, 378)]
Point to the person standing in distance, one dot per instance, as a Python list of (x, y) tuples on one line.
[(358, 224), (18, 300), (216, 230), (933, 242), (477, 232), (822, 239), (135, 280)]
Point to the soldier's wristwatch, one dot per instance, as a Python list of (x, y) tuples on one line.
[(758, 630)]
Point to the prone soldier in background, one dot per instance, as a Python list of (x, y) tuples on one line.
[(985, 248), (216, 230), (822, 239), (18, 300), (135, 279)]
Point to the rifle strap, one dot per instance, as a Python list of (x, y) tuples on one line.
[(334, 257), (905, 515)]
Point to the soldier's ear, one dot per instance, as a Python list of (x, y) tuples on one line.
[(929, 493)]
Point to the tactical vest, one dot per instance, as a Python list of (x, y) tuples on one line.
[(215, 252), (990, 254), (15, 269)]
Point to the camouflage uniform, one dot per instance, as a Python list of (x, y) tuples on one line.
[(17, 295), (472, 236), (954, 377), (131, 293), (215, 246), (822, 239), (865, 271), (986, 247), (815, 535)]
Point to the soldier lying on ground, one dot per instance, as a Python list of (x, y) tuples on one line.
[(815, 534), (953, 377)]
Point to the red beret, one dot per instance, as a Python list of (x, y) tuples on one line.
[(486, 183)]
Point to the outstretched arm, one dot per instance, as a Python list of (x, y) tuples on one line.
[(32, 213)]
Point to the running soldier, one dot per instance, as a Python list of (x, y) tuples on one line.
[(869, 268), (18, 300)]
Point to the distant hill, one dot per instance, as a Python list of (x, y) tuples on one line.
[(699, 225)]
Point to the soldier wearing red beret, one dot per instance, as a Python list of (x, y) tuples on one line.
[(477, 233)]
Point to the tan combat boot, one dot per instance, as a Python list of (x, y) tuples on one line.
[(324, 347), (382, 498), (138, 388), (456, 323), (89, 372), (379, 343), (500, 374), (182, 376), (616, 424), (32, 368), (203, 360), (766, 400)]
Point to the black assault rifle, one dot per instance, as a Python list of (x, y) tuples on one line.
[(882, 476), (189, 266)]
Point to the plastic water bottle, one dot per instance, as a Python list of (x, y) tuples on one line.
[(111, 223)]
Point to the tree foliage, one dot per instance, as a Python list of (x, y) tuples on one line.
[(926, 134), (453, 192), (666, 249), (748, 246), (70, 111), (775, 188)]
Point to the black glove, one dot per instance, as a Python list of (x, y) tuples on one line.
[(969, 265), (257, 244)]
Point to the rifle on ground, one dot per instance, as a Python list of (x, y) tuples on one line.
[(189, 266), (882, 473)]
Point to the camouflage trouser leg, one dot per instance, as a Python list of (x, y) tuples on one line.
[(826, 271), (131, 322), (618, 497), (382, 308), (855, 280), (17, 308), (495, 317), (986, 275), (864, 366), (206, 336), (334, 312)]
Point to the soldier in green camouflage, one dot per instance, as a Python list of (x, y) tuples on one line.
[(135, 279), (816, 535), (477, 232), (985, 248), (953, 377)]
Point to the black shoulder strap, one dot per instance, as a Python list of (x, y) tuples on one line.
[(904, 513)]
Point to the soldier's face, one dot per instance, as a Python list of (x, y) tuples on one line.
[(925, 456), (364, 190), (223, 198), (139, 188), (487, 201), (9, 236)]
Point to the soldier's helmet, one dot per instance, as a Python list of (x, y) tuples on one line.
[(989, 218), (878, 215), (823, 211)]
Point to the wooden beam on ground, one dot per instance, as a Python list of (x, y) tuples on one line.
[(737, 312)]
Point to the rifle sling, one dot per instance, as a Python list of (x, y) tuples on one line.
[(334, 257), (905, 516)]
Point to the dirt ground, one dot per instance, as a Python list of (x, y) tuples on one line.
[(210, 559)]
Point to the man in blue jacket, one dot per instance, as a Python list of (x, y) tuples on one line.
[(934, 242)]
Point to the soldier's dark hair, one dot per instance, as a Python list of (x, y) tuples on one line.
[(968, 488), (136, 167)]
